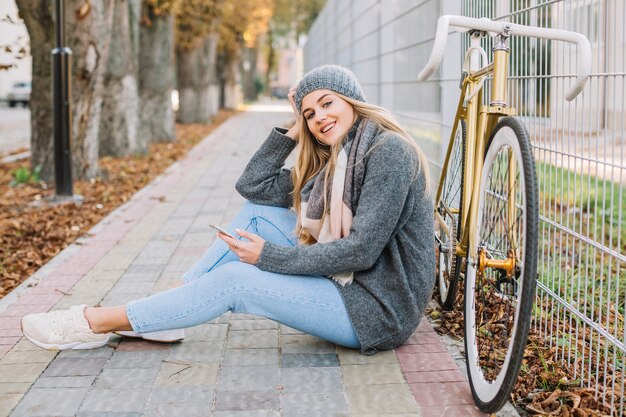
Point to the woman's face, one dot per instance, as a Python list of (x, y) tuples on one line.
[(328, 116)]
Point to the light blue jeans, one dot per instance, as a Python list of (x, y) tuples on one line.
[(220, 282)]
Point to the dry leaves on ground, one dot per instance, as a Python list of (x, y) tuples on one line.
[(579, 402), (31, 234), (544, 387)]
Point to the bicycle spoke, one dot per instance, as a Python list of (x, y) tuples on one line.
[(506, 235), (454, 181), (502, 212), (499, 243)]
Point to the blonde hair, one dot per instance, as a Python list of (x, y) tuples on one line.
[(313, 156)]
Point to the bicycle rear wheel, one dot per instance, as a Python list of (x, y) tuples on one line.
[(498, 302), (449, 207)]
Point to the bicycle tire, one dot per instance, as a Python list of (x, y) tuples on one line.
[(497, 316), (449, 264)]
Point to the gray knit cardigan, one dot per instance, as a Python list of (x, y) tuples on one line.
[(390, 248)]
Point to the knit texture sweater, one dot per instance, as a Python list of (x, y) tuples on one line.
[(390, 248)]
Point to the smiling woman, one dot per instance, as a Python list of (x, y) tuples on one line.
[(340, 246), (328, 116)]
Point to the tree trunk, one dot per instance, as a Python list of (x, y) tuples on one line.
[(197, 82), (87, 31), (156, 69), (120, 102), (231, 87), (221, 78), (89, 38), (271, 61), (39, 19), (248, 72)]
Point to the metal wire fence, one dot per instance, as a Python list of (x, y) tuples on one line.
[(581, 167), (578, 147)]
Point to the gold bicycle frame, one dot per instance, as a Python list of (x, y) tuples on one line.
[(480, 120)]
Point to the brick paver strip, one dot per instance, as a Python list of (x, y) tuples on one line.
[(235, 366)]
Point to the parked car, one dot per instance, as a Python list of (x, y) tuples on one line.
[(279, 92), (19, 94)]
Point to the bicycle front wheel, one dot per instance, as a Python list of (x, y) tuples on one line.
[(449, 207), (500, 283)]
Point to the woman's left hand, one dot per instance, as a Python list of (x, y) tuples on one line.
[(294, 130), (248, 251)]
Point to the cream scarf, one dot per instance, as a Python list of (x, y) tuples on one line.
[(343, 191)]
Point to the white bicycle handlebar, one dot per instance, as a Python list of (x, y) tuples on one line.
[(463, 24)]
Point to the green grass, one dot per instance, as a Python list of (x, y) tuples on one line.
[(24, 175), (575, 270), (594, 207)]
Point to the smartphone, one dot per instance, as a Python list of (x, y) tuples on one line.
[(219, 229)]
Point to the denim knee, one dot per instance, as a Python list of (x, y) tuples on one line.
[(238, 282)]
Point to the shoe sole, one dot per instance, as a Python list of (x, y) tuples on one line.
[(73, 346), (163, 340), (139, 336)]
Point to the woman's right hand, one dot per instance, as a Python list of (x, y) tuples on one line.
[(294, 131)]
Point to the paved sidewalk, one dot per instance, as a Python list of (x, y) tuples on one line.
[(235, 366)]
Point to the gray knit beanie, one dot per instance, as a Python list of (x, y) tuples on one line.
[(329, 77)]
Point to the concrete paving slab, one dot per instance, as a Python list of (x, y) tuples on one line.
[(75, 367), (112, 378), (191, 374), (256, 413), (318, 380), (8, 402), (253, 325), (304, 343), (259, 339), (312, 360), (137, 359), (250, 357), (207, 333), (314, 403), (202, 351), (384, 398), (21, 372), (356, 375), (14, 387), (243, 378), (65, 382), (267, 400), (46, 402), (116, 400)]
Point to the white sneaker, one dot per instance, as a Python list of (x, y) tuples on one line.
[(166, 336), (64, 329)]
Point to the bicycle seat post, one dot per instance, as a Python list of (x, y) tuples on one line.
[(500, 69)]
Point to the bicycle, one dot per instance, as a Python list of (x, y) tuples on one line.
[(486, 206)]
